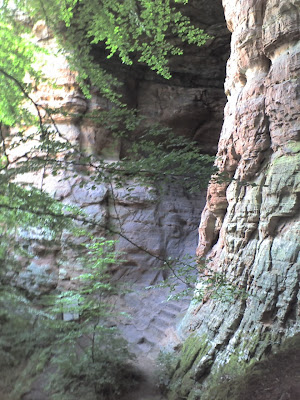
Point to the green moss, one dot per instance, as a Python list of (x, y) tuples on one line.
[(167, 363), (183, 380), (288, 159), (194, 348), (239, 375), (218, 385), (236, 380), (293, 147)]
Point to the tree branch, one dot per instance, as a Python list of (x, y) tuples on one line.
[(78, 218)]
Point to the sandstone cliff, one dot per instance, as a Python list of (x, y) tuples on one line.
[(153, 227), (249, 229)]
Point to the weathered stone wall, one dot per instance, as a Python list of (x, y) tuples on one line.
[(153, 226), (192, 101), (250, 227)]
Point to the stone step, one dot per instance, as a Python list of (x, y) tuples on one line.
[(145, 344), (168, 314), (161, 321), (175, 306), (155, 332)]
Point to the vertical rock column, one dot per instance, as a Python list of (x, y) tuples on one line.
[(249, 229)]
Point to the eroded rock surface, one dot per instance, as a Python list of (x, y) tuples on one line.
[(250, 226), (153, 226)]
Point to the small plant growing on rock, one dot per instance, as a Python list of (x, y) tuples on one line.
[(190, 277)]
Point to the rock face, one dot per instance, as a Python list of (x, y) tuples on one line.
[(249, 229), (154, 227), (192, 101)]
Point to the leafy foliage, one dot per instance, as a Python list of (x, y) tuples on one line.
[(17, 55), (129, 27), (107, 370), (133, 29), (91, 354), (86, 352), (160, 156), (201, 282)]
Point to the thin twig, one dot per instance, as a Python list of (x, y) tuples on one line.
[(95, 224), (24, 91), (90, 164)]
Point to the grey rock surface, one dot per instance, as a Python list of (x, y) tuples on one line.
[(249, 228)]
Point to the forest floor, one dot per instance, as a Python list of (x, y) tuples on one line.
[(148, 388), (276, 378)]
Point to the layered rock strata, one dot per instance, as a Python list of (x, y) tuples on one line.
[(154, 227), (249, 229)]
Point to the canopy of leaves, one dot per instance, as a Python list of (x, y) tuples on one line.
[(17, 56), (134, 30), (146, 31)]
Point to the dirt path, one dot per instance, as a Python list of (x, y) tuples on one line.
[(148, 388), (150, 329)]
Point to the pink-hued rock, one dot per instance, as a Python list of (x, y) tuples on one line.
[(250, 225), (249, 228), (262, 113), (153, 227)]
